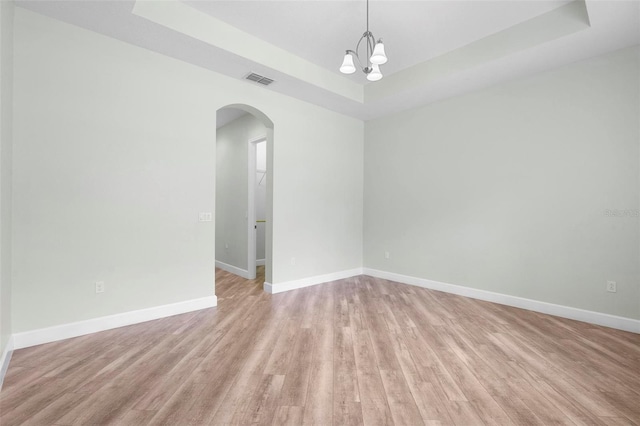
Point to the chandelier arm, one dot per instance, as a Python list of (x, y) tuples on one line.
[(366, 69), (358, 45), (371, 42)]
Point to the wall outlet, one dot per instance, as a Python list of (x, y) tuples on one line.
[(293, 260), (387, 255), (99, 286), (205, 217), (226, 245), (611, 287)]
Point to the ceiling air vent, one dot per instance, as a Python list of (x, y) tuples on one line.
[(259, 79)]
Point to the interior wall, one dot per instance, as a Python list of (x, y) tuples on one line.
[(232, 188), (115, 157), (261, 200), (6, 125), (528, 188)]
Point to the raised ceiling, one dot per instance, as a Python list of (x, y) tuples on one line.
[(413, 31), (436, 49)]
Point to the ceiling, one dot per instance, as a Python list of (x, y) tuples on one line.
[(413, 31), (436, 49)]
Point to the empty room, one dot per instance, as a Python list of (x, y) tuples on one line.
[(335, 212)]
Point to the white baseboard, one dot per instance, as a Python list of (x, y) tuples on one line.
[(4, 360), (307, 282), (94, 325), (233, 269), (598, 318), (260, 262)]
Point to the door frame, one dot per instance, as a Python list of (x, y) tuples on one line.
[(251, 205)]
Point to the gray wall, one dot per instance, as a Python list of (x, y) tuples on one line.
[(507, 189), (114, 158), (6, 124), (232, 188)]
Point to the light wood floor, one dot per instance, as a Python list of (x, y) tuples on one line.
[(356, 351)]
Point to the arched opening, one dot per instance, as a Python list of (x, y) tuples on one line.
[(244, 191)]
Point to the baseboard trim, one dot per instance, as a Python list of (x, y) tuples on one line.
[(260, 262), (598, 318), (94, 325), (4, 361), (310, 281), (233, 269)]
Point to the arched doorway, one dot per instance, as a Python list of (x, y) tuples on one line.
[(242, 132)]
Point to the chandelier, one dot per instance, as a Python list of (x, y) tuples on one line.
[(375, 55)]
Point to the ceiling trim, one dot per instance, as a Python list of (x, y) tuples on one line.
[(565, 20), (185, 19)]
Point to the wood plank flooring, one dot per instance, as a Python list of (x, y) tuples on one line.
[(351, 352)]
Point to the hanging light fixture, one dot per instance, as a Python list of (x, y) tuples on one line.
[(375, 56)]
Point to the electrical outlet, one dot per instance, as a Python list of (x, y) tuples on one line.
[(387, 255), (99, 286), (205, 217), (612, 287), (293, 260)]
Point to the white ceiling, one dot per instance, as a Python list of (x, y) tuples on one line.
[(413, 31), (436, 49)]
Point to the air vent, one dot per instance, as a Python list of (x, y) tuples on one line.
[(259, 79)]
